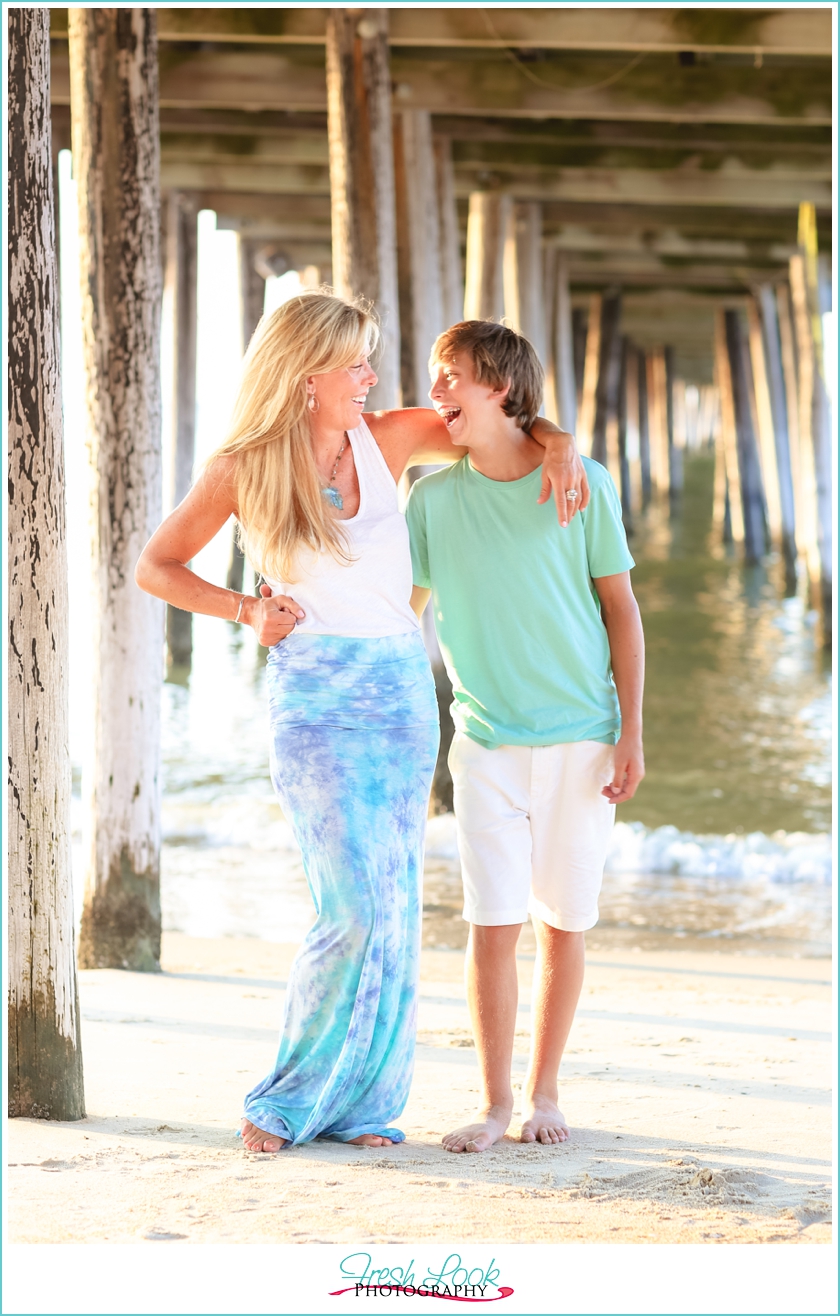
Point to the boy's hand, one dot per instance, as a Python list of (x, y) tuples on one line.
[(628, 771), (563, 470)]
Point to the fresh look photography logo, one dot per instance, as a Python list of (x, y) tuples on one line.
[(455, 1281)]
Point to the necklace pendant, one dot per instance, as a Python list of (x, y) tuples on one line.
[(333, 496)]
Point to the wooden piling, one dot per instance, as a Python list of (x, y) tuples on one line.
[(45, 1078), (644, 429), (752, 493), (364, 238), (114, 108), (418, 252), (764, 334), (732, 519), (487, 228), (182, 280), (624, 486), (452, 279), (806, 512), (251, 309), (592, 355), (821, 429), (609, 364), (676, 440), (522, 275), (561, 352)]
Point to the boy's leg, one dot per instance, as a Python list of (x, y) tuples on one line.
[(493, 997), (558, 978), (491, 789), (571, 823)]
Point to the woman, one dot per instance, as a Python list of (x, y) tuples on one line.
[(353, 712)]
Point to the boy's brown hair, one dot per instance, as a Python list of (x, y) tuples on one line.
[(498, 355)]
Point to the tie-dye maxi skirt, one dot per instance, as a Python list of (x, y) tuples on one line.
[(354, 738)]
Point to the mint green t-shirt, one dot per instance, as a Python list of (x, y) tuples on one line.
[(517, 616)]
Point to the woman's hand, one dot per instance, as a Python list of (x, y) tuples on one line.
[(272, 618), (563, 470)]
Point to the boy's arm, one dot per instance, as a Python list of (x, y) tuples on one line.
[(416, 436), (419, 598), (620, 614)]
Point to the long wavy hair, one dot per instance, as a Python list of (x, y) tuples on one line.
[(278, 488)]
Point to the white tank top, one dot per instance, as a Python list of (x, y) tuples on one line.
[(368, 596)]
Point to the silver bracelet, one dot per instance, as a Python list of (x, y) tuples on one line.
[(239, 609)]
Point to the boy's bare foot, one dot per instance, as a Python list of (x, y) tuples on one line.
[(543, 1122), (258, 1140), (371, 1140), (490, 1126)]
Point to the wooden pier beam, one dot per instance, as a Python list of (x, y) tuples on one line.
[(45, 1045), (624, 353), (364, 235), (487, 227), (182, 279), (732, 525), (114, 102)]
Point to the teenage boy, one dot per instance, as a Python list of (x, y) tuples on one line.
[(543, 643)]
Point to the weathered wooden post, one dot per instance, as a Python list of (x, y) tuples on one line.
[(114, 102), (364, 237), (806, 512), (771, 340), (752, 493), (182, 279), (522, 275), (418, 251), (623, 459), (676, 477), (45, 1049), (644, 426), (606, 389), (487, 227), (452, 279), (768, 443), (561, 353), (251, 307), (733, 511), (591, 373), (805, 285)]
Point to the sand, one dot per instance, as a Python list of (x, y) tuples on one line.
[(696, 1086)]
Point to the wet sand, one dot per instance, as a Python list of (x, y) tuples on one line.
[(696, 1086)]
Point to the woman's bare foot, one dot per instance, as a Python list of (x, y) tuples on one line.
[(490, 1126), (371, 1140), (258, 1140), (543, 1122)]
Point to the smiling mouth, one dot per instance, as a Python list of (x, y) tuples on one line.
[(360, 401), (450, 414)]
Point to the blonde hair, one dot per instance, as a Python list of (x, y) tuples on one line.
[(278, 488)]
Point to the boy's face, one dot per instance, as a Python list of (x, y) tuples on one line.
[(465, 406)]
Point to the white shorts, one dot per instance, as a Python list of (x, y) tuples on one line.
[(533, 830)]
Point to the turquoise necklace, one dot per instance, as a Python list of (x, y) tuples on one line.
[(330, 492)]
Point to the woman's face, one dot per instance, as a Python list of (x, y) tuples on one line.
[(341, 394)]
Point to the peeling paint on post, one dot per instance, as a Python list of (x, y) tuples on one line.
[(45, 1056), (114, 103)]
